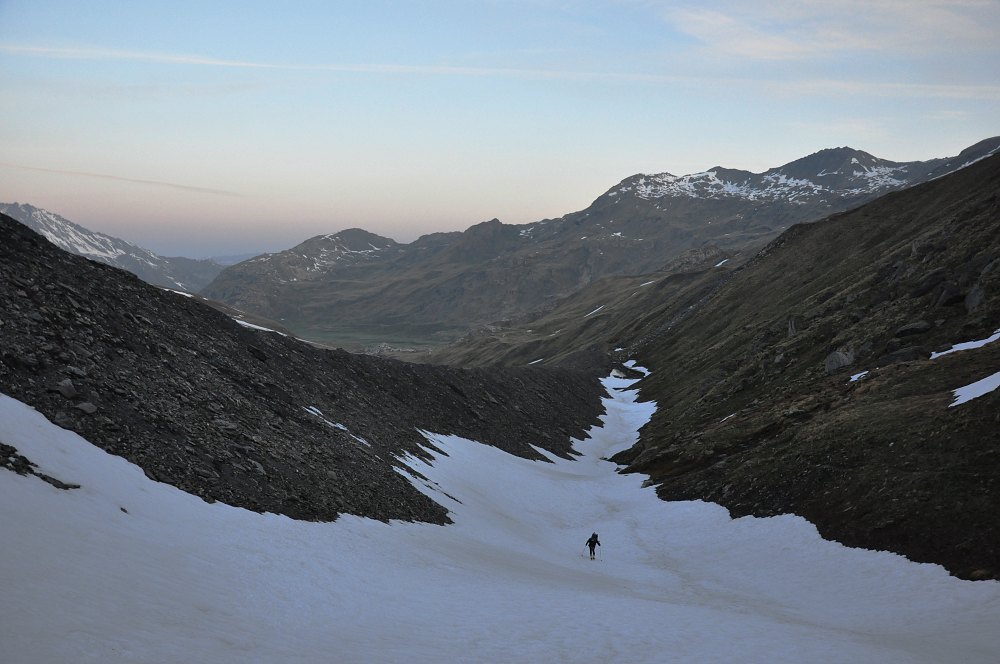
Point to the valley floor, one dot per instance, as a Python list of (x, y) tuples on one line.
[(127, 569)]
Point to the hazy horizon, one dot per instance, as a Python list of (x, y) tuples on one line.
[(201, 130)]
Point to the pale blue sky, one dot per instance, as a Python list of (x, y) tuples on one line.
[(201, 128)]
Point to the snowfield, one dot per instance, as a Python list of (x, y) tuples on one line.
[(125, 569)]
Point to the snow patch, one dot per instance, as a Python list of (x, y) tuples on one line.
[(968, 345), (313, 410), (975, 390), (631, 364), (258, 327), (318, 413)]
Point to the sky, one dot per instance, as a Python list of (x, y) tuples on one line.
[(125, 569), (198, 129)]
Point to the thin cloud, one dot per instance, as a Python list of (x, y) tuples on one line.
[(726, 33), (746, 41), (181, 59), (361, 68), (806, 29), (118, 178), (878, 89), (136, 56)]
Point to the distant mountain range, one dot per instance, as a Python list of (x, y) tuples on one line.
[(358, 290), (355, 288), (185, 274)]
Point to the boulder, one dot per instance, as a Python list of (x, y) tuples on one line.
[(910, 329), (908, 354), (974, 298), (948, 294), (929, 282), (67, 389), (838, 360)]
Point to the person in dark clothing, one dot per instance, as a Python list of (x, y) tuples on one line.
[(593, 543)]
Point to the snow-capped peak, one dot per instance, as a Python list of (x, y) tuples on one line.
[(72, 237), (175, 273), (841, 172)]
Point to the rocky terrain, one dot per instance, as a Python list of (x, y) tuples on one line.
[(805, 382), (186, 274), (236, 414), (597, 327), (801, 379), (356, 289)]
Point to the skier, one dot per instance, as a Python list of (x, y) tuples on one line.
[(593, 543)]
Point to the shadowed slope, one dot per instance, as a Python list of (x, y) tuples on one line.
[(757, 411)]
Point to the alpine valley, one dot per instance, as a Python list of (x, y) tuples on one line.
[(822, 375), (775, 395)]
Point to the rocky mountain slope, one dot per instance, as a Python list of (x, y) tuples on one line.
[(185, 274), (235, 414), (597, 327), (809, 380), (355, 289), (805, 379)]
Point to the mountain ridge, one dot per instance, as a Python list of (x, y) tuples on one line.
[(495, 271), (186, 274)]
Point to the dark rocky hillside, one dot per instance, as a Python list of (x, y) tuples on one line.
[(753, 361), (756, 407), (436, 289), (251, 418), (600, 325)]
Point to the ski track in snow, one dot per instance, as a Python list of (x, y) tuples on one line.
[(178, 580)]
